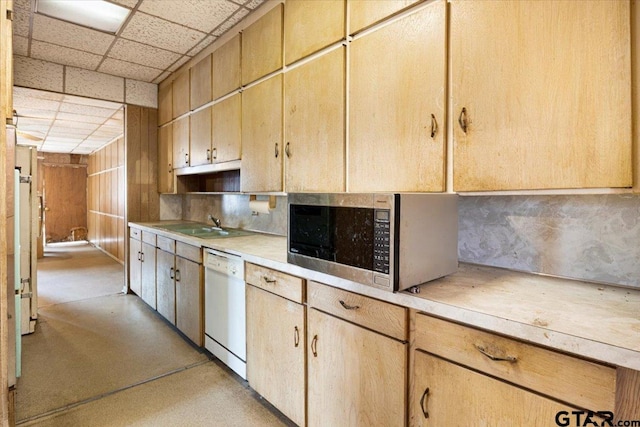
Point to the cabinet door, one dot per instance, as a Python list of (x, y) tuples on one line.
[(545, 88), (226, 67), (446, 394), (275, 351), (201, 83), (314, 132), (262, 46), (396, 107), (356, 377), (165, 159), (181, 92), (148, 291), (189, 299), (165, 285), (262, 136), (200, 141), (311, 25), (363, 13), (165, 104), (181, 143), (135, 272), (227, 131)]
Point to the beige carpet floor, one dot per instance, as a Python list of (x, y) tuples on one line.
[(102, 358)]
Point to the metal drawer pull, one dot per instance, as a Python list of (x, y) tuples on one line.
[(314, 346), (434, 126), (171, 275), (462, 120), (349, 307), (510, 359), (424, 401), (268, 280), (296, 336)]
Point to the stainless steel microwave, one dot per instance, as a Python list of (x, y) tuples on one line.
[(390, 241)]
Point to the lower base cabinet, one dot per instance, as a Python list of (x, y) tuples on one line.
[(276, 351), (148, 285)]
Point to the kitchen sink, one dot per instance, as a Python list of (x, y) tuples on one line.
[(203, 231)]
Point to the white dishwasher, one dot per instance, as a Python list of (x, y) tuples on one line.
[(224, 309)]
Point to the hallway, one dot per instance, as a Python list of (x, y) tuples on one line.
[(103, 358)]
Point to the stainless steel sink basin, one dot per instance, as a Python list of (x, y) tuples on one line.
[(203, 231)]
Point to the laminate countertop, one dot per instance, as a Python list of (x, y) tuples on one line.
[(595, 321)]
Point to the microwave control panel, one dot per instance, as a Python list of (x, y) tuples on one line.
[(381, 239)]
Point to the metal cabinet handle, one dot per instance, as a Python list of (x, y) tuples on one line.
[(171, 275), (177, 275), (510, 359), (287, 150), (139, 256), (462, 120), (186, 158), (277, 151), (296, 336), (208, 155), (348, 307), (424, 401), (314, 346), (214, 153), (434, 126), (268, 280), (142, 256), (170, 168)]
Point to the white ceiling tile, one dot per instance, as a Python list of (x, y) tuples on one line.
[(129, 70), (204, 43), (142, 54), (114, 123), (57, 132), (87, 110), (105, 133), (22, 5), (161, 77), (231, 22), (21, 22), (94, 85), (34, 103), (37, 113), (20, 140), (34, 129), (160, 33), (71, 99), (141, 93), (252, 4), (64, 55), (179, 63), (70, 124), (36, 94), (203, 15), (118, 114), (38, 74), (70, 35), (28, 121), (127, 3), (80, 118), (20, 45), (81, 149)]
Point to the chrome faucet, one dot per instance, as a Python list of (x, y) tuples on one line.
[(215, 220)]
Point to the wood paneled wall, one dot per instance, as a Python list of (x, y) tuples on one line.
[(106, 197)]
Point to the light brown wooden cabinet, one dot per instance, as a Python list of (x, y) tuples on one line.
[(262, 137), (541, 94), (148, 290), (135, 266), (356, 376), (142, 265), (396, 106), (165, 103), (315, 125), (181, 135), (262, 46), (165, 285), (364, 13), (312, 25), (276, 351), (166, 178), (227, 130), (200, 137), (200, 87), (181, 95), (226, 73)]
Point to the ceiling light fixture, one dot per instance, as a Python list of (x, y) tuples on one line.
[(97, 14)]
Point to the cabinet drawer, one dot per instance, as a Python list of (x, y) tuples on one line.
[(149, 237), (374, 314), (166, 244), (285, 285), (189, 252), (135, 233), (576, 381)]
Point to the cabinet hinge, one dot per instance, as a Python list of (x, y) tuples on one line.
[(26, 281), (25, 179), (9, 15)]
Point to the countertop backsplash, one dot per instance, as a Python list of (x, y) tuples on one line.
[(586, 237)]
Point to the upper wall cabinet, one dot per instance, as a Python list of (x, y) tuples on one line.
[(165, 104), (541, 94), (226, 135), (181, 92), (201, 83), (363, 13), (396, 106), (165, 159), (262, 46), (226, 67), (314, 125), (311, 25), (200, 137), (180, 142)]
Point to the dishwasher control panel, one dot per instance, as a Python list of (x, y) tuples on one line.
[(224, 263)]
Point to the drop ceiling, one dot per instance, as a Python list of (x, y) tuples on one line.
[(156, 39)]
